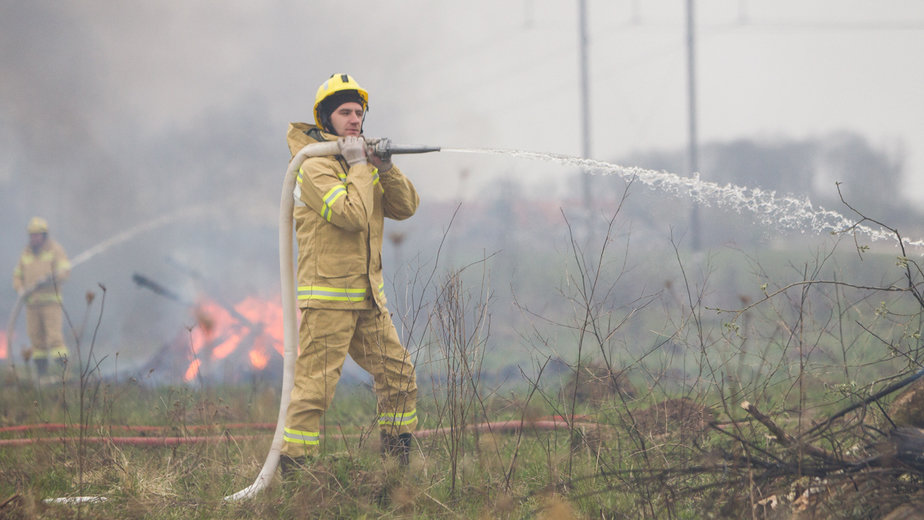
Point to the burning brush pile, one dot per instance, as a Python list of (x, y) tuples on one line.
[(232, 344)]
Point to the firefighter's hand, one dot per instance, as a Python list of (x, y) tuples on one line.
[(380, 164), (353, 149), (379, 155)]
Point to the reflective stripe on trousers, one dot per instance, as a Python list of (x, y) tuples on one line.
[(300, 437), (326, 336), (397, 419)]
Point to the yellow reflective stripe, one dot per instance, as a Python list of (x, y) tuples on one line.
[(64, 265), (397, 419), (375, 179), (59, 352), (302, 437), (315, 292), (41, 297), (329, 199), (382, 289)]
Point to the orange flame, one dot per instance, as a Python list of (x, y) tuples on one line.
[(3, 352), (262, 321), (269, 314), (192, 370), (258, 359), (212, 320)]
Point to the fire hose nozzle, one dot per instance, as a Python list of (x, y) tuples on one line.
[(383, 147)]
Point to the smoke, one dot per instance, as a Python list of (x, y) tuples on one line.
[(113, 114)]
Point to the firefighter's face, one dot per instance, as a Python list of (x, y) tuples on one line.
[(36, 239), (347, 119)]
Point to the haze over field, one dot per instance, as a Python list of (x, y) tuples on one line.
[(113, 114)]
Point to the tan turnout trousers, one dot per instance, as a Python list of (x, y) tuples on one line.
[(43, 324), (326, 336)]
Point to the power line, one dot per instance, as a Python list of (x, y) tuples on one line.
[(823, 26)]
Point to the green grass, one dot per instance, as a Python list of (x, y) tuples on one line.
[(349, 480), (618, 472), (798, 355)]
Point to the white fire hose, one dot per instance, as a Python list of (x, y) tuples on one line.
[(287, 275)]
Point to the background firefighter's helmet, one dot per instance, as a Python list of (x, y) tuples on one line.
[(37, 225), (338, 89)]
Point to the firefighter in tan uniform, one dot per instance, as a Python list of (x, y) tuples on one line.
[(341, 202), (42, 267)]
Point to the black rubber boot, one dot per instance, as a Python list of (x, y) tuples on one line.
[(399, 446), (387, 443), (291, 466), (404, 456)]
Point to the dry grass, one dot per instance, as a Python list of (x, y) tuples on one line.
[(648, 423)]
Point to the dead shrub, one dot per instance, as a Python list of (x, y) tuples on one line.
[(596, 384), (672, 416)]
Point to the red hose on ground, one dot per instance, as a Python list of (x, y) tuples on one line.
[(513, 426), (553, 423), (60, 426), (132, 441)]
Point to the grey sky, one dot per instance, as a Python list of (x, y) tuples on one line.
[(471, 74)]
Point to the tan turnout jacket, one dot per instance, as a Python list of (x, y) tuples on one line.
[(37, 268), (339, 219)]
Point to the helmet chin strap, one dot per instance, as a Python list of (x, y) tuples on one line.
[(326, 124), (327, 128)]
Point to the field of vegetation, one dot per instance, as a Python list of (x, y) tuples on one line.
[(778, 386)]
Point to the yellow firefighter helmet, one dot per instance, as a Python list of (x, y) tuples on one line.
[(37, 225), (339, 88)]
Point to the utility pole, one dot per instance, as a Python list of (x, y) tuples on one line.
[(585, 107), (696, 240)]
